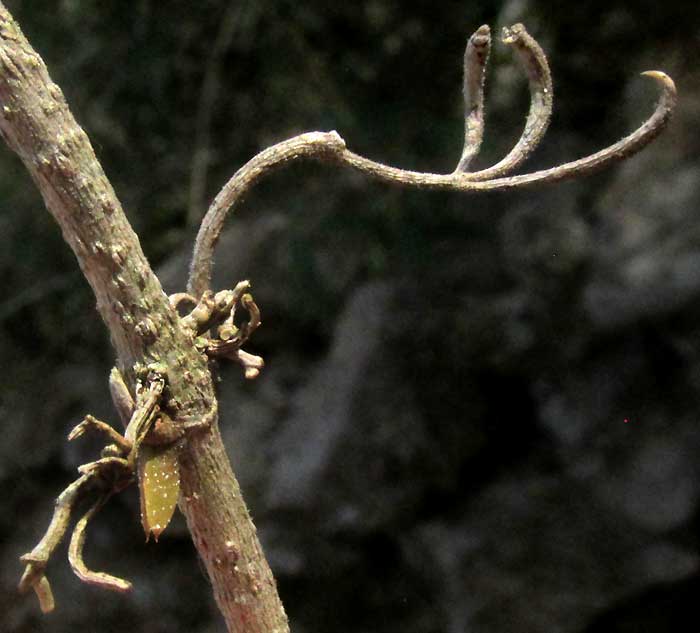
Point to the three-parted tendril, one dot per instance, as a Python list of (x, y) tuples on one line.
[(331, 147)]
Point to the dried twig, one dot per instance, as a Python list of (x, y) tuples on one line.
[(220, 310), (102, 465), (93, 424), (43, 591), (37, 560), (121, 397), (75, 554), (146, 409), (111, 473), (251, 364)]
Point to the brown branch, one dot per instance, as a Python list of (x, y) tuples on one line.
[(36, 123)]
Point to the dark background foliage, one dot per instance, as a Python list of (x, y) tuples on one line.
[(479, 412)]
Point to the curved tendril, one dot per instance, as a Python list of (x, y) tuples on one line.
[(534, 62), (629, 145), (309, 145), (330, 146), (75, 554), (476, 56)]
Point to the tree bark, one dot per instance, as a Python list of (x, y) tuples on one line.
[(36, 123)]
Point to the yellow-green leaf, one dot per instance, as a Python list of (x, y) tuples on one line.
[(159, 486)]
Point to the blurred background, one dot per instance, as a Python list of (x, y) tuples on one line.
[(479, 413)]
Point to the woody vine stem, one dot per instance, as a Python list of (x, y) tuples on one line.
[(162, 385)]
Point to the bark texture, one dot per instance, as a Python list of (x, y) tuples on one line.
[(36, 123)]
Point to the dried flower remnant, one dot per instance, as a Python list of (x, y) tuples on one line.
[(159, 487)]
